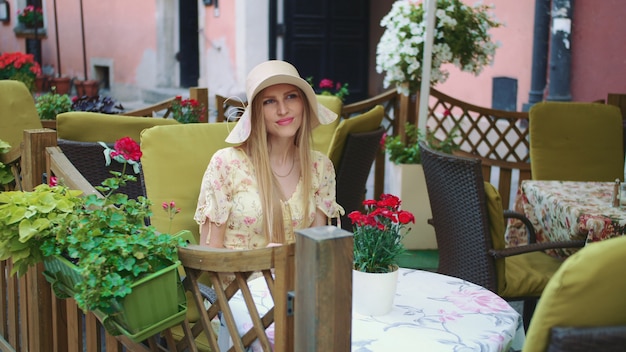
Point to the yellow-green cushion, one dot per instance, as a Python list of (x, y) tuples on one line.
[(17, 112), (173, 162), (587, 290), (96, 127), (366, 122), (526, 275), (323, 134), (519, 275), (576, 141), (497, 226)]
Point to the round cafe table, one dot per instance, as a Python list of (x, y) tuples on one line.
[(431, 312)]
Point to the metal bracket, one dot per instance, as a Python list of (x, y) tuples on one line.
[(291, 297)]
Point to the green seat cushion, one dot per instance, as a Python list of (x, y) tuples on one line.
[(526, 275), (575, 141), (587, 290), (96, 127), (497, 226), (323, 134), (366, 122), (173, 163)]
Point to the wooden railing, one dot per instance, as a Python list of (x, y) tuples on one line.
[(34, 319)]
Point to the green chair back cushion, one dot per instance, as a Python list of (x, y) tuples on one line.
[(173, 163), (84, 126), (574, 141), (366, 122), (497, 226), (323, 134), (17, 112), (586, 291)]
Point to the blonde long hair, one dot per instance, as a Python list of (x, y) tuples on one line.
[(256, 147)]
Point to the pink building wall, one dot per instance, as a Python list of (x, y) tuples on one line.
[(131, 34)]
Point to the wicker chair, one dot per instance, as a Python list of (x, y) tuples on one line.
[(469, 224), (354, 168), (88, 158)]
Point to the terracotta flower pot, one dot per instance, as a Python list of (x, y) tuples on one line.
[(62, 84), (88, 88)]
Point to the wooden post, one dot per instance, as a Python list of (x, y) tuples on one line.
[(34, 155), (323, 297), (38, 294), (202, 96)]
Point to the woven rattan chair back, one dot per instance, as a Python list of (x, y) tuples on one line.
[(354, 168), (459, 215), (88, 158)]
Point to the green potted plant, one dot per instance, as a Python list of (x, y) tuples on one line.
[(6, 176), (328, 87), (30, 16), (378, 237), (407, 180), (20, 67), (187, 110), (98, 250), (50, 104)]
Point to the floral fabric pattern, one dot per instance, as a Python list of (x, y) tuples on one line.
[(567, 210), (229, 195), (432, 312)]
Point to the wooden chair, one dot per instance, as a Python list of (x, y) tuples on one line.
[(164, 108), (469, 223), (276, 265), (228, 109)]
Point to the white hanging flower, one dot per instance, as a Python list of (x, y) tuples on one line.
[(461, 38)]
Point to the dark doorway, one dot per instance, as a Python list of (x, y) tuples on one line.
[(189, 53), (329, 39)]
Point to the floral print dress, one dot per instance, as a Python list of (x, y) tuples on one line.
[(229, 195)]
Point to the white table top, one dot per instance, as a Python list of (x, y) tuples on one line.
[(431, 312)]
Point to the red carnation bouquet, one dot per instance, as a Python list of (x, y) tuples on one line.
[(378, 234)]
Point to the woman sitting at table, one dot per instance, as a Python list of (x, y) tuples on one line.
[(257, 193)]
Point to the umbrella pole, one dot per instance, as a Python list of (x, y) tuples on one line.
[(56, 30), (82, 31)]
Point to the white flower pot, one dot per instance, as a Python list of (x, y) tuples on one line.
[(408, 183), (373, 293)]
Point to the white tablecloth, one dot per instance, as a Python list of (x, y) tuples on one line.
[(432, 312)]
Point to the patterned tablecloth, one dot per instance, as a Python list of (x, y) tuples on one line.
[(431, 312), (567, 210)]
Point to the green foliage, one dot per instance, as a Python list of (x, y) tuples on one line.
[(28, 219), (20, 67), (50, 104), (6, 176), (105, 236), (408, 152), (378, 234), (328, 87)]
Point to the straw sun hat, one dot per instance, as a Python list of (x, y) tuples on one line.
[(270, 73)]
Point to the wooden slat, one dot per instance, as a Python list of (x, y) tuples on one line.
[(39, 303), (93, 341), (64, 170), (59, 325), (74, 327)]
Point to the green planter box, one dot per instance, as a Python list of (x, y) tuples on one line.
[(157, 301)]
